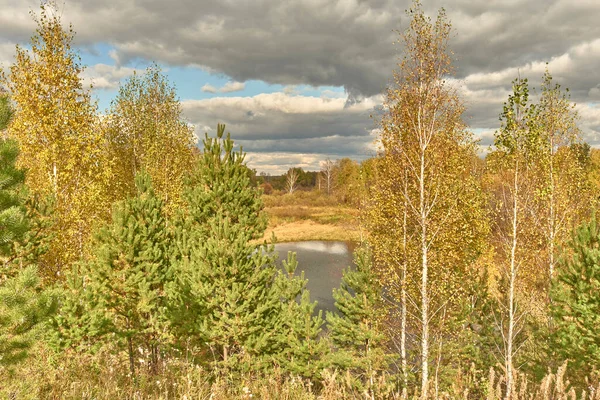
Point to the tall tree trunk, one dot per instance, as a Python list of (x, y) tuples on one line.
[(370, 369), (403, 299), (552, 216), (424, 283), (131, 361), (511, 289), (154, 359)]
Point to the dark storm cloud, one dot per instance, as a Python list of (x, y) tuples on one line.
[(346, 43), (278, 128), (333, 146), (281, 116)]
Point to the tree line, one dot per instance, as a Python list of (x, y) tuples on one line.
[(342, 179), (118, 236)]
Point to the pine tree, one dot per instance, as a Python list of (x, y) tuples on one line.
[(220, 185), (6, 110), (36, 241), (121, 291), (575, 305), (24, 219), (23, 308), (22, 303), (13, 222), (301, 350), (225, 292), (356, 329)]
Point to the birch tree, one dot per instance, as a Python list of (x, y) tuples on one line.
[(291, 179), (146, 131), (327, 172), (427, 207), (518, 144), (564, 195), (55, 126)]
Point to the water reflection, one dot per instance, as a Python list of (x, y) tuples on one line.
[(323, 263)]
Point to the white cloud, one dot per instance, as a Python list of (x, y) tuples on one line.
[(103, 76), (278, 129), (590, 122), (340, 43), (233, 87), (7, 54), (229, 87), (290, 89), (279, 163), (277, 114), (208, 88)]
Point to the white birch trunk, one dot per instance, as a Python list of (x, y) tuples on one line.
[(424, 283), (511, 289), (552, 216), (403, 296)]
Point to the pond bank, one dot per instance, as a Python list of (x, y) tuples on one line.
[(294, 223), (307, 230)]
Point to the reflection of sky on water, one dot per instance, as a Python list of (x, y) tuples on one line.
[(323, 264), (323, 247)]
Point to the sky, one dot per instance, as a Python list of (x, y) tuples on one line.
[(297, 82)]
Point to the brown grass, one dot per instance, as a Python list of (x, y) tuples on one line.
[(310, 216), (554, 386), (105, 375), (310, 230)]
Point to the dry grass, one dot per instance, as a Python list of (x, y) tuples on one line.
[(554, 386), (310, 230), (105, 375), (303, 198), (306, 216)]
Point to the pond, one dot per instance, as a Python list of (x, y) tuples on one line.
[(323, 263)]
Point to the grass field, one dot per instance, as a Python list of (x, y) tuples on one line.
[(310, 216)]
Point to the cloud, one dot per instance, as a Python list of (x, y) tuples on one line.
[(290, 89), (485, 92), (7, 54), (209, 88), (279, 163), (339, 43), (345, 43), (590, 122), (278, 126), (269, 115), (229, 87), (16, 25), (233, 87), (107, 77)]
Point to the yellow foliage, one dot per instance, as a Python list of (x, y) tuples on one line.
[(426, 211), (145, 131), (56, 127)]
